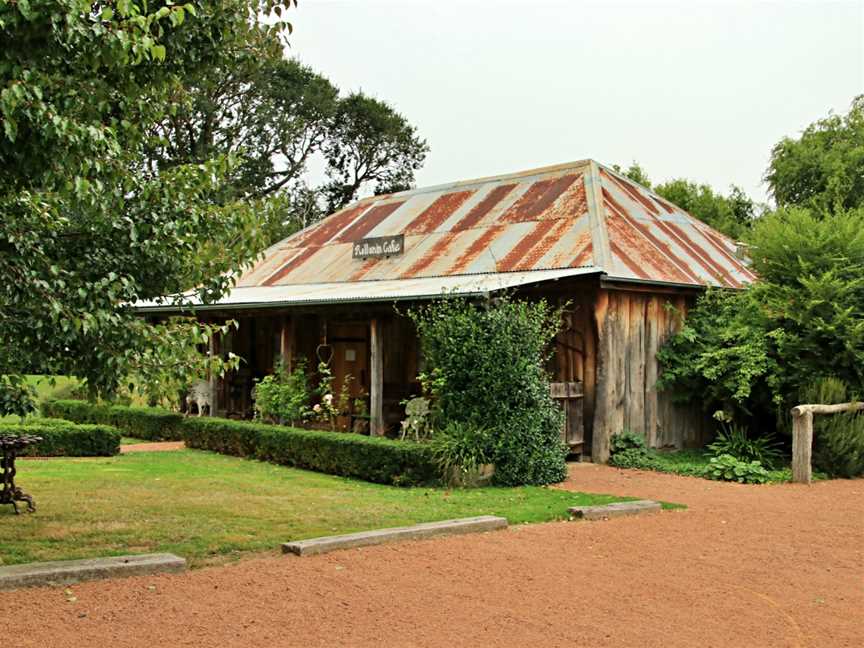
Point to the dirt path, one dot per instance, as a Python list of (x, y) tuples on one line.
[(158, 446), (744, 566)]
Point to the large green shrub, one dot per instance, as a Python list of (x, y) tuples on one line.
[(66, 439), (485, 361), (839, 445), (628, 450), (751, 352), (374, 459), (148, 423)]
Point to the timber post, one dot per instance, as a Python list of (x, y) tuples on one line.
[(376, 386), (212, 377), (286, 343), (802, 446), (604, 399), (802, 436)]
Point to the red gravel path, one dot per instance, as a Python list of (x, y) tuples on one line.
[(157, 446), (744, 566)]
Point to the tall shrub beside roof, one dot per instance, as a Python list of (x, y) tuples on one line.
[(751, 353), (485, 366)]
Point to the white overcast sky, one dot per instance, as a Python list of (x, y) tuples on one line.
[(700, 90)]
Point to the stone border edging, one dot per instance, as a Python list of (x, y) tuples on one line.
[(325, 544), (67, 572), (616, 509)]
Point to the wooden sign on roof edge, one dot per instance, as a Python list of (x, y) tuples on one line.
[(379, 247)]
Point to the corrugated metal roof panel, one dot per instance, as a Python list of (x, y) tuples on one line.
[(655, 240), (369, 291), (570, 215)]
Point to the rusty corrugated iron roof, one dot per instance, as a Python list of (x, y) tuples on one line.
[(568, 216)]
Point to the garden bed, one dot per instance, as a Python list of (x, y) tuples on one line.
[(692, 463)]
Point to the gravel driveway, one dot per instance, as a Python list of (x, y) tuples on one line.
[(775, 565)]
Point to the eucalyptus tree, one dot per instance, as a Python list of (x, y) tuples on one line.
[(274, 115), (823, 169), (370, 143)]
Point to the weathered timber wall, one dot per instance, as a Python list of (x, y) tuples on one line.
[(631, 328)]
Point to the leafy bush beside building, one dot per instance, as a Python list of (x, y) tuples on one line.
[(755, 353), (485, 370)]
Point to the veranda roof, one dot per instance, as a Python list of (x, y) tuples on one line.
[(369, 291)]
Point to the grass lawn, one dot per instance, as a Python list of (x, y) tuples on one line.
[(208, 507)]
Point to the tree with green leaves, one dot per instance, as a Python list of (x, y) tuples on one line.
[(732, 215), (635, 172), (275, 115), (824, 168), (370, 143), (755, 352), (87, 229), (272, 114)]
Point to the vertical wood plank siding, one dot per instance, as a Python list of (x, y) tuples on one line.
[(631, 328)]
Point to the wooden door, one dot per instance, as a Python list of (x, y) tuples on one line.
[(570, 396), (350, 362)]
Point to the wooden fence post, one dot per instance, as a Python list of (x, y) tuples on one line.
[(802, 435), (802, 445)]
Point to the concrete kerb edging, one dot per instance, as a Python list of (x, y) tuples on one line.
[(616, 509), (325, 544), (68, 572)]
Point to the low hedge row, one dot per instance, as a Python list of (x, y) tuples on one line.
[(148, 423), (66, 439), (373, 459)]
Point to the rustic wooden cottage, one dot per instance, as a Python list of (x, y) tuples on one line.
[(627, 261)]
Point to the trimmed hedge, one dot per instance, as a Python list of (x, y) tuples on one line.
[(373, 459), (148, 423), (66, 439), (383, 461)]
